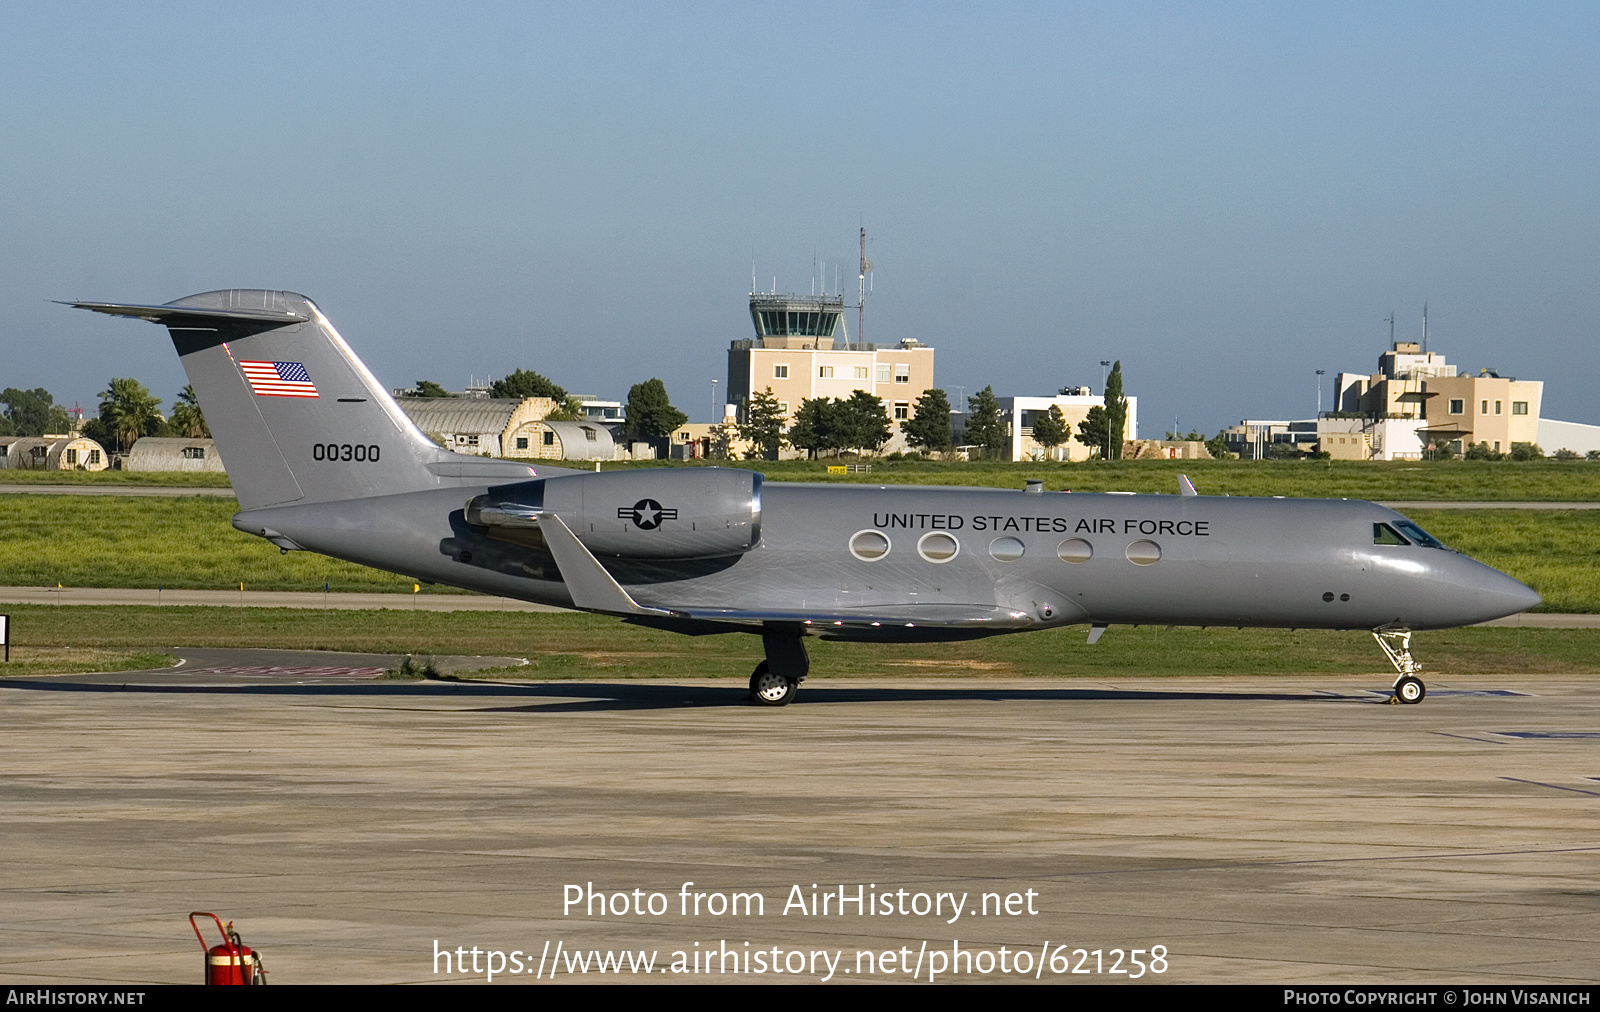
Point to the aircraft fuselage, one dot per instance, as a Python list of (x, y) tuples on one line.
[(1050, 559)]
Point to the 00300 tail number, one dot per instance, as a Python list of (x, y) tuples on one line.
[(344, 451)]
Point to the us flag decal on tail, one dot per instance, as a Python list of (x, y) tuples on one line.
[(279, 379)]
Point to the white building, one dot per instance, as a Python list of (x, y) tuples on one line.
[(1020, 413)]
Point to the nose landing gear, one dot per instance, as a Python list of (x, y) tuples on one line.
[(1396, 645)]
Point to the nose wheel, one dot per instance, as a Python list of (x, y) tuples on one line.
[(1409, 689), (1396, 644), (769, 689)]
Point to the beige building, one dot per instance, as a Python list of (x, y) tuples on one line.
[(1466, 410), (1458, 410), (802, 350), (58, 452), (507, 427)]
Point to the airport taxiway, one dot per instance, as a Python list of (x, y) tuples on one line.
[(1291, 829)]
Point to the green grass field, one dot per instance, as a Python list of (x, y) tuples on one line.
[(575, 647), (183, 542), (1451, 481), (169, 479), (187, 543), (1455, 480), (33, 659)]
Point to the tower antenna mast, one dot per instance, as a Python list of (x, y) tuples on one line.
[(861, 301)]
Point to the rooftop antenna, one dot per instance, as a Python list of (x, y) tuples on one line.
[(1424, 328), (1391, 330), (861, 302), (752, 274)]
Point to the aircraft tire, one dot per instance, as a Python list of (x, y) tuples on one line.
[(767, 689), (1410, 689)]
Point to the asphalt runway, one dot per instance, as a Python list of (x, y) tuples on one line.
[(1286, 830)]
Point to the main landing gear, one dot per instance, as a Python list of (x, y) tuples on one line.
[(777, 679), (1396, 645), (768, 689)]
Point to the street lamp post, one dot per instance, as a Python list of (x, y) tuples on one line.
[(1105, 453), (714, 418)]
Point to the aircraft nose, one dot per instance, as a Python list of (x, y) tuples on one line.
[(1501, 595)]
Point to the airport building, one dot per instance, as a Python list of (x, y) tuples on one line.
[(1416, 404), (1020, 413), (162, 453), (59, 452), (508, 427), (1453, 409), (802, 350)]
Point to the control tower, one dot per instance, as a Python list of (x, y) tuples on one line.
[(792, 321), (802, 350)]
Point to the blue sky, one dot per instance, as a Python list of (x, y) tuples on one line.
[(1225, 197)]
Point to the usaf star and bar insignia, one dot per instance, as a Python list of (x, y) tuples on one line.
[(646, 514)]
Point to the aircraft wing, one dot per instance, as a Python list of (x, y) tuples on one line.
[(924, 616), (593, 588)]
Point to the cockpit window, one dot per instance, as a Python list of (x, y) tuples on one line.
[(1417, 535), (1383, 534)]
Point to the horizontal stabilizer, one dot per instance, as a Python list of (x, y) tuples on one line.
[(178, 316)]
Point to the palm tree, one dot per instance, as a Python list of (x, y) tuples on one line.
[(187, 417), (128, 409)]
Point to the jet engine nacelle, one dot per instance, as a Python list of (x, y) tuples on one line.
[(692, 513)]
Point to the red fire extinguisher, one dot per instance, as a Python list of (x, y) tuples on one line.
[(232, 962)]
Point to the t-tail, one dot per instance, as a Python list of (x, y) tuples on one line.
[(295, 414)]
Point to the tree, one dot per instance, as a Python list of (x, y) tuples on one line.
[(860, 422), (34, 412), (569, 410), (763, 426), (1050, 428), (1217, 446), (815, 426), (428, 388), (985, 426), (527, 383), (129, 411), (187, 418), (1094, 431), (929, 426), (1116, 412), (651, 416), (1526, 451)]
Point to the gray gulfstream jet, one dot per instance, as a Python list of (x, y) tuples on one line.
[(323, 460)]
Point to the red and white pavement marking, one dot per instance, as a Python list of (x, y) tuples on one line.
[(288, 671)]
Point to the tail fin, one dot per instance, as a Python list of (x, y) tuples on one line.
[(296, 415)]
